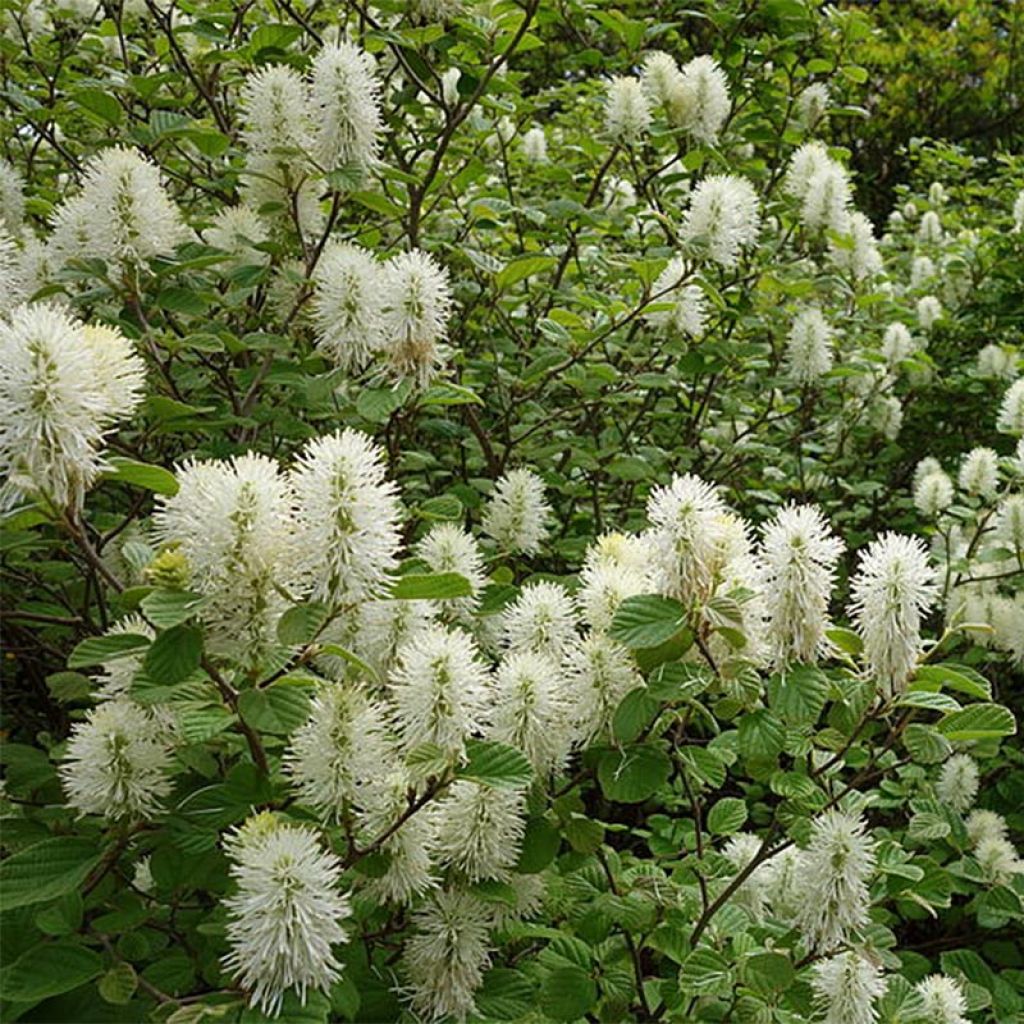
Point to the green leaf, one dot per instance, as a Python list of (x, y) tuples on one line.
[(505, 995), (377, 404), (925, 745), (727, 816), (495, 764), (68, 686), (48, 970), (846, 640), (567, 993), (799, 694), (520, 269), (704, 970), (174, 655), (279, 709), (978, 722), (584, 835), (437, 586), (444, 507), (46, 870), (428, 759), (953, 677), (301, 623), (101, 103), (761, 735), (98, 650), (633, 714), (634, 773), (539, 847), (118, 985), (167, 608), (141, 474), (647, 620), (769, 972)]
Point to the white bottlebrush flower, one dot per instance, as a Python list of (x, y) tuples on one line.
[(116, 679), (893, 589), (922, 270), (232, 521), (479, 830), (283, 190), (276, 111), (979, 473), (799, 553), (12, 198), (117, 763), (532, 710), (441, 690), (812, 105), (887, 415), (858, 252), (616, 566), (450, 86), (347, 535), (785, 882), (897, 343), (983, 825), (698, 98), (382, 629), (517, 514), (60, 392), (752, 894), (809, 346), (286, 915), (926, 467), (995, 361), (1010, 418), (687, 315), (131, 217), (827, 199), (1018, 212), (345, 96), (846, 987), (687, 520), (535, 145), (620, 199), (724, 212), (838, 865), (409, 870), (347, 304), (627, 112), (808, 161), (1010, 522), (238, 230), (449, 547), (447, 954), (541, 619), (12, 285), (417, 301), (933, 494), (942, 1000), (598, 674), (998, 860), (957, 785), (930, 228), (659, 75), (929, 312), (339, 750)]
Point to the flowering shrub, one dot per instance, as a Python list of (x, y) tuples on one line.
[(492, 532)]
